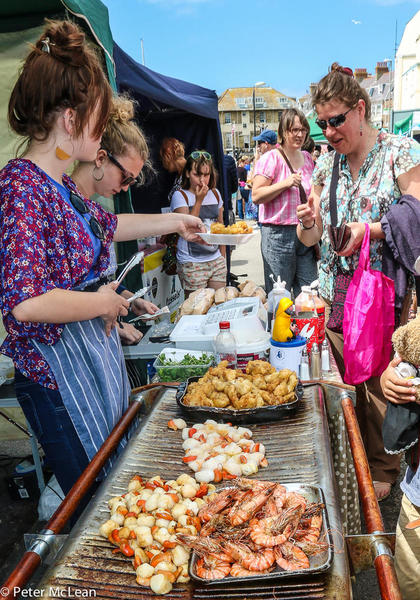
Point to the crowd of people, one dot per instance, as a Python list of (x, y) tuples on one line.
[(59, 304)]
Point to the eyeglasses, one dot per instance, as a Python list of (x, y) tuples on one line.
[(197, 153), (80, 205), (128, 178), (336, 121), (298, 131)]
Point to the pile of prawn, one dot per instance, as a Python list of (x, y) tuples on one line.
[(254, 526)]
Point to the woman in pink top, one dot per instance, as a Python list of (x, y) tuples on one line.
[(276, 189)]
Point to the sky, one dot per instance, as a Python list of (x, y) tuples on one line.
[(232, 43)]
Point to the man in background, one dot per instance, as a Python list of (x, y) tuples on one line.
[(267, 140)]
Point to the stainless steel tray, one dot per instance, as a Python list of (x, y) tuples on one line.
[(265, 414), (318, 563)]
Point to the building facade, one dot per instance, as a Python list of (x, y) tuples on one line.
[(380, 89), (246, 111)]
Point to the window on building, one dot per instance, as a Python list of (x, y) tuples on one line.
[(371, 91), (279, 115), (228, 117), (262, 117), (244, 125), (228, 140)]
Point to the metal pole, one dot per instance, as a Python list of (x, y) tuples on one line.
[(384, 562), (142, 52), (253, 106)]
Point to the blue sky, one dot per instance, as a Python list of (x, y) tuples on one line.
[(231, 43)]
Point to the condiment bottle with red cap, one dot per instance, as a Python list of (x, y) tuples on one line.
[(225, 345)]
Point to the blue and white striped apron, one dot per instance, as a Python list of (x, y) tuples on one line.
[(90, 372)]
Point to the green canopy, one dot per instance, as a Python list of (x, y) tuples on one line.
[(404, 126), (316, 132)]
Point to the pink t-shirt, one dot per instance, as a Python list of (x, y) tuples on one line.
[(281, 210)]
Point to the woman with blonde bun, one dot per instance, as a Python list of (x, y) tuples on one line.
[(58, 307), (122, 138)]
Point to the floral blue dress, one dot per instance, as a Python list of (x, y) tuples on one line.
[(365, 200)]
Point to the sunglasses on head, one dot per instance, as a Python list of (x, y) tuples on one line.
[(197, 153), (336, 121), (128, 178), (80, 205)]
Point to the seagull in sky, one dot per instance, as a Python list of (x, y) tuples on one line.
[(356, 22)]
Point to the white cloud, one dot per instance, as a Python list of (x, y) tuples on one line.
[(356, 22)]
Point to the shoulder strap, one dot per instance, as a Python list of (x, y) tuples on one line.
[(302, 193), (215, 194), (333, 190), (185, 197)]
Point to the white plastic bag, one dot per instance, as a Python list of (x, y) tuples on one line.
[(50, 499)]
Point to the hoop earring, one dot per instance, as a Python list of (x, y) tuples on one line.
[(65, 153), (94, 175)]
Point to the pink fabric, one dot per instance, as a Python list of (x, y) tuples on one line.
[(281, 210), (368, 321)]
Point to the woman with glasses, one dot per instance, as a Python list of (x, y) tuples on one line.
[(70, 375), (280, 177), (122, 142), (199, 265), (374, 170)]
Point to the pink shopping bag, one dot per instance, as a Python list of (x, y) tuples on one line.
[(368, 320)]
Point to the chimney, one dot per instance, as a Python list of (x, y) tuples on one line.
[(312, 88), (360, 75), (380, 69)]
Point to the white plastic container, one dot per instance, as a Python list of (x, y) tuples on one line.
[(258, 350), (287, 355)]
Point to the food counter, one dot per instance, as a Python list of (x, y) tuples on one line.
[(297, 449)]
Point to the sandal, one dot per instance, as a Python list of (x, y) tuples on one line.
[(382, 490)]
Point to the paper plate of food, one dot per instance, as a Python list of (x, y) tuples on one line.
[(230, 235)]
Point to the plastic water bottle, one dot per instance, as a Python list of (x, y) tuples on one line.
[(225, 345)]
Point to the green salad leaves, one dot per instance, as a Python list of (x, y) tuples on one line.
[(169, 369)]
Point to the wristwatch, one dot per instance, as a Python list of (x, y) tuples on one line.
[(303, 226)]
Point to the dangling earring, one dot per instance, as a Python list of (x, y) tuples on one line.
[(361, 129), (64, 153), (100, 170)]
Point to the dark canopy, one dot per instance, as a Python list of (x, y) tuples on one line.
[(169, 107)]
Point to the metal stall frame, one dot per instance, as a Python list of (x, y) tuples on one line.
[(377, 541)]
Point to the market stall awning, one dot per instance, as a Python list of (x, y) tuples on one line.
[(316, 132), (404, 126)]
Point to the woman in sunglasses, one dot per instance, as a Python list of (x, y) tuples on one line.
[(281, 176), (70, 374), (121, 145), (374, 170), (199, 265)]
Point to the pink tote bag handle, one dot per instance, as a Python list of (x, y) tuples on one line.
[(364, 258)]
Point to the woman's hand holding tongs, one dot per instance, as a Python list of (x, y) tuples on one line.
[(114, 305)]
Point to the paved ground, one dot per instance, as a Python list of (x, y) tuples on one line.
[(20, 516)]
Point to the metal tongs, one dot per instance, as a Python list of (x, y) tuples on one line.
[(134, 260), (139, 293)]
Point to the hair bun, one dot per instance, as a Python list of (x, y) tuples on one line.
[(64, 41), (122, 109), (339, 69)]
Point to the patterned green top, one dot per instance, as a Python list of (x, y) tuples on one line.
[(365, 200)]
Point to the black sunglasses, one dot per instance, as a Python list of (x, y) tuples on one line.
[(80, 205), (127, 179), (336, 121)]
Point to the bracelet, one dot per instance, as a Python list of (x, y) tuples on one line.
[(303, 226)]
